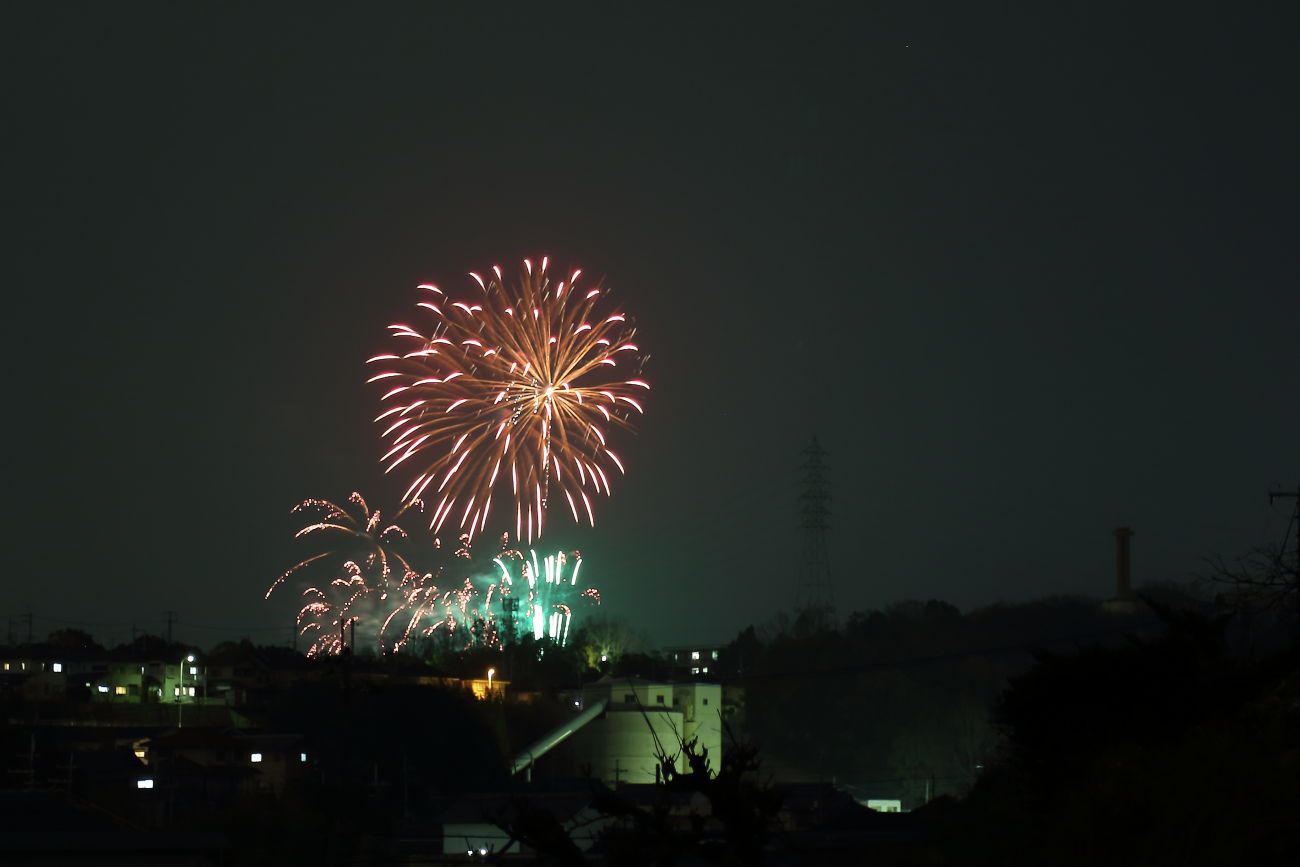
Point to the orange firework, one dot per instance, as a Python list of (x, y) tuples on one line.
[(513, 390)]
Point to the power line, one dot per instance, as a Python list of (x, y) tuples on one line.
[(908, 662)]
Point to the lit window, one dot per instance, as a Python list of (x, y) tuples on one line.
[(715, 656), (140, 754), (102, 688), (58, 666), (191, 689), (705, 670), (695, 656), (144, 784), (695, 670), (255, 758), (6, 666), (119, 690), (302, 757), (194, 669)]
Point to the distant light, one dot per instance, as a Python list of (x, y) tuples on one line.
[(189, 658), (302, 757), (255, 758), (144, 784), (103, 688), (58, 666), (604, 658), (577, 703), (483, 850)]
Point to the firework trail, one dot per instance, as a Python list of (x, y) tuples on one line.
[(510, 392), (522, 595), (353, 536), (546, 590), (377, 588), (330, 610)]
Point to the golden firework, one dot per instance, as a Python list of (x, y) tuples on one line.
[(516, 389)]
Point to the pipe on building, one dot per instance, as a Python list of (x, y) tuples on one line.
[(557, 736)]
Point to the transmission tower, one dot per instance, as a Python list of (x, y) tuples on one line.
[(814, 599)]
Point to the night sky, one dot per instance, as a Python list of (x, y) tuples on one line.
[(1028, 273)]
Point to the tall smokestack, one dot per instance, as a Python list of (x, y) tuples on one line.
[(1123, 575)]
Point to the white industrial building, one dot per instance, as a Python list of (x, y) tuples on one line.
[(637, 718)]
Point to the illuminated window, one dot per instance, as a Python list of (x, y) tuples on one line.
[(191, 690), (302, 757), (144, 784), (255, 758), (140, 754), (58, 666), (6, 666), (695, 670), (102, 688), (119, 690), (695, 656), (715, 656), (194, 669), (705, 669)]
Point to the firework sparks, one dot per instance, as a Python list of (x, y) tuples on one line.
[(329, 611), (545, 588), (512, 393), (356, 538)]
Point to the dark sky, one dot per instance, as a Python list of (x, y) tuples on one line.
[(1029, 273)]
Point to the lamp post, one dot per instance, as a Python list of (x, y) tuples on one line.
[(180, 693)]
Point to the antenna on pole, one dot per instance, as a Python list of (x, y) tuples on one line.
[(814, 597)]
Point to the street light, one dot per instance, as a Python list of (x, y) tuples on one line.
[(180, 694), (491, 671)]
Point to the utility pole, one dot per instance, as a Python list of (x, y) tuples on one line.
[(1295, 522), (171, 618), (814, 598)]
